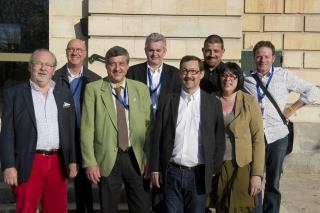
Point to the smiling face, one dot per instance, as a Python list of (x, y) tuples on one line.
[(191, 76), (264, 59), (212, 54), (229, 82), (155, 52), (117, 68), (41, 68), (76, 52)]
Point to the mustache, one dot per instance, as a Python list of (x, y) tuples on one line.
[(188, 79)]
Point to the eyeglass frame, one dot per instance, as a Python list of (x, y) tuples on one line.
[(191, 71), (45, 65), (76, 50)]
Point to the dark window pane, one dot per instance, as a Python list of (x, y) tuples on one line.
[(23, 25)]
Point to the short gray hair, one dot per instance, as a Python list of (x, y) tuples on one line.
[(155, 37), (43, 50)]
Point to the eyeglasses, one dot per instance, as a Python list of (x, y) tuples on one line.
[(45, 65), (77, 50), (191, 71), (225, 76)]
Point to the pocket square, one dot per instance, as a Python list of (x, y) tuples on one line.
[(66, 105)]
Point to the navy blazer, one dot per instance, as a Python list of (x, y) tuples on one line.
[(211, 130), (18, 138)]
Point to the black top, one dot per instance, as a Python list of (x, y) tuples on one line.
[(209, 83)]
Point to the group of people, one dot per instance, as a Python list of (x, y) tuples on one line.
[(203, 134)]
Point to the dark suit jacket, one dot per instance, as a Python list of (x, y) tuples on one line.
[(211, 130), (18, 137), (171, 80), (61, 78)]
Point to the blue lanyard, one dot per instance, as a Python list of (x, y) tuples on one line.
[(77, 86), (123, 101), (151, 91), (262, 95)]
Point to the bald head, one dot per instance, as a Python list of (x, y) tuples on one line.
[(76, 53)]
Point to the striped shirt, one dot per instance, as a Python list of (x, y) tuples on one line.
[(281, 84), (45, 109)]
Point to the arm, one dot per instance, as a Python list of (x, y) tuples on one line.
[(149, 127), (87, 135), (258, 148), (155, 147), (73, 167), (308, 92), (7, 141)]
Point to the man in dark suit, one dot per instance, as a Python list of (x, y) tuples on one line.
[(74, 76), (213, 50), (188, 141), (37, 138), (161, 78)]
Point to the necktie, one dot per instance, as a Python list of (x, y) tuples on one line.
[(122, 123)]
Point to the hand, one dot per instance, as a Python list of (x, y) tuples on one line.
[(255, 185), (10, 176), (73, 170), (145, 170), (93, 174), (155, 178), (287, 112)]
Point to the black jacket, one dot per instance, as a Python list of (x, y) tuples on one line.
[(18, 137)]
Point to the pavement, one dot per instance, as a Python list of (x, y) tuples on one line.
[(300, 194)]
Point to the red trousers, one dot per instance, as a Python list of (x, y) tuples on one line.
[(47, 185)]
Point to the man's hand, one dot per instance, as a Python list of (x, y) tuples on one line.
[(145, 170), (155, 178), (255, 185), (10, 176), (93, 174), (73, 170), (287, 112)]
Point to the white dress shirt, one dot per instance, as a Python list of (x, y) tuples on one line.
[(282, 82), (188, 147), (155, 78), (46, 112)]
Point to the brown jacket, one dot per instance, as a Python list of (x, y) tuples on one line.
[(247, 128)]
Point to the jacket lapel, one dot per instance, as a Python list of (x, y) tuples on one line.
[(174, 110), (59, 101), (29, 103), (106, 96), (237, 111)]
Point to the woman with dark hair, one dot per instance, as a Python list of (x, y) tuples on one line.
[(240, 177)]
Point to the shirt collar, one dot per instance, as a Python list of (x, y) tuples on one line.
[(72, 75), (121, 84), (34, 86), (194, 96), (267, 75), (157, 70)]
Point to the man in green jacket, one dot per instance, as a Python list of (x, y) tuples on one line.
[(115, 128)]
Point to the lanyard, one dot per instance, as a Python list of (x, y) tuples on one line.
[(262, 95), (123, 101), (77, 86), (151, 91)]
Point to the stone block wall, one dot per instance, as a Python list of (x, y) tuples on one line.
[(292, 25)]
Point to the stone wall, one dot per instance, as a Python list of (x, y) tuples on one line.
[(292, 25)]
